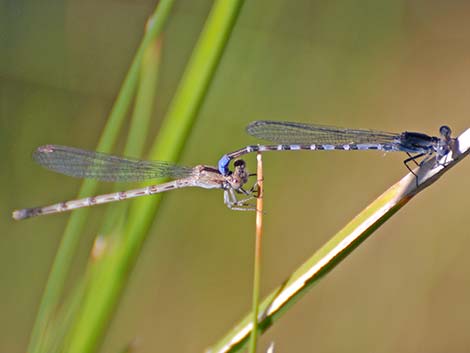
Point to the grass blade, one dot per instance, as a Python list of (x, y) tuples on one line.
[(106, 285), (60, 268)]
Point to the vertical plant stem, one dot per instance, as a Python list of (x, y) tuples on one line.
[(257, 262)]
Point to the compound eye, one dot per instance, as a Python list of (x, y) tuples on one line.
[(445, 131), (239, 163)]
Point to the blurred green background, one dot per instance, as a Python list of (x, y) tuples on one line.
[(389, 65)]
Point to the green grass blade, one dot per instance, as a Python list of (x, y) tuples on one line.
[(339, 246), (105, 289), (145, 99), (60, 268), (144, 103), (139, 127), (63, 321)]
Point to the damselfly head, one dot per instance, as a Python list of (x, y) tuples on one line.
[(445, 132), (239, 176), (239, 164)]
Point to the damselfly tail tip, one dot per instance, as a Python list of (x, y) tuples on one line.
[(23, 214)]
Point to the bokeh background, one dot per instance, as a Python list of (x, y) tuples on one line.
[(388, 64)]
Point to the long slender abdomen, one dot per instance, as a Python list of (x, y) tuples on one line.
[(101, 199)]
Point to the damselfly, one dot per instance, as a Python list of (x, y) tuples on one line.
[(291, 136), (101, 166)]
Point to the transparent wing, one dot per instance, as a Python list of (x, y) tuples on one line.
[(284, 132), (80, 163)]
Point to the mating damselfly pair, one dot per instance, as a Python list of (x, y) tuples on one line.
[(288, 136)]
